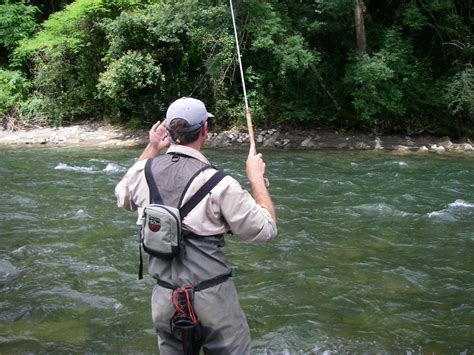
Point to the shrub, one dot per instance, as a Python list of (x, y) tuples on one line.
[(18, 21), (459, 92), (66, 59), (131, 82), (14, 87), (391, 89)]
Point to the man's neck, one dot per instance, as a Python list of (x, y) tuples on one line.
[(195, 145)]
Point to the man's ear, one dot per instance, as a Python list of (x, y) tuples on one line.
[(204, 129)]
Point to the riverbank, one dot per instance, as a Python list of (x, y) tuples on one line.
[(111, 135)]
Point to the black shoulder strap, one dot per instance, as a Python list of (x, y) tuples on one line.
[(201, 193), (190, 181), (155, 196)]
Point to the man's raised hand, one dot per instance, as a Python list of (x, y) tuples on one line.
[(158, 135)]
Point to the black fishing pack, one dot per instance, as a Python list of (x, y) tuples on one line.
[(161, 233)]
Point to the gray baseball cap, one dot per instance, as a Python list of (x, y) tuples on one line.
[(191, 110)]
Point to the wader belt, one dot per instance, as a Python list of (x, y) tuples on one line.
[(200, 286)]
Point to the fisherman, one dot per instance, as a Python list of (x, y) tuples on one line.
[(202, 263)]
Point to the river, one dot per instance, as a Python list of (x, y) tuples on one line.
[(374, 254)]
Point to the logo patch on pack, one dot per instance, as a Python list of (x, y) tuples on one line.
[(154, 224)]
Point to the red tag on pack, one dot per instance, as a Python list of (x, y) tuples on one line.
[(154, 224)]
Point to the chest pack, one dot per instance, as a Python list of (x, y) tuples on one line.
[(161, 233)]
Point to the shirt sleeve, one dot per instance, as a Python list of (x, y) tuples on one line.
[(246, 219), (123, 195), (129, 191)]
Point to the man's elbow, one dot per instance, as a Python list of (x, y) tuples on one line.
[(272, 231), (123, 201), (121, 194), (264, 234), (126, 205)]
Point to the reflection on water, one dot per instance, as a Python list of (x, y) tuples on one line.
[(374, 254)]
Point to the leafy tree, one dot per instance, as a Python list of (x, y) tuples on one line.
[(390, 85), (128, 78), (66, 59), (186, 52), (459, 94), (127, 59), (17, 22)]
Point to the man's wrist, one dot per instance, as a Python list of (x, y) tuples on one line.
[(256, 180), (150, 151)]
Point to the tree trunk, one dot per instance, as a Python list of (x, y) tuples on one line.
[(359, 25)]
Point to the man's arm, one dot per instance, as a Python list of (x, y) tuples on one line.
[(255, 174), (158, 141)]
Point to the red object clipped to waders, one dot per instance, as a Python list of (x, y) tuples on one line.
[(185, 324)]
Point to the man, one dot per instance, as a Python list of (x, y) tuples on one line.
[(178, 175)]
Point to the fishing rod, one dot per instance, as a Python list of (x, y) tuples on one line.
[(248, 115), (247, 109)]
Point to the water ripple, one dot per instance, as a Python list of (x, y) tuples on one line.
[(383, 209), (95, 301), (365, 260)]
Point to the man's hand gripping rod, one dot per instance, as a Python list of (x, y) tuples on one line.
[(253, 149)]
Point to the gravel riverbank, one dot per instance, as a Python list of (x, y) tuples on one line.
[(110, 135)]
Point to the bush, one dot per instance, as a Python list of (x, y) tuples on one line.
[(376, 92), (164, 51), (66, 58), (131, 83), (459, 93), (459, 96), (14, 87), (18, 21), (391, 89), (35, 111)]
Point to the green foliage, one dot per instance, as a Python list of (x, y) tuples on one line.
[(175, 50), (294, 55), (66, 29), (13, 88), (66, 59), (128, 59), (390, 85), (412, 16), (460, 93), (375, 90), (128, 78), (282, 58), (70, 27), (35, 111), (17, 22)]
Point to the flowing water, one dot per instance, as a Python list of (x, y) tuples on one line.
[(375, 254)]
